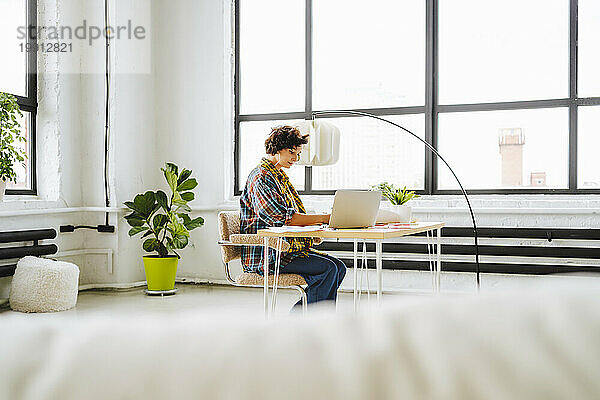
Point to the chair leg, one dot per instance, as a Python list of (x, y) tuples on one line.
[(303, 298), (304, 302), (228, 274)]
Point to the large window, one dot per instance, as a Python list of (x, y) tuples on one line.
[(18, 70), (506, 91), (500, 51), (505, 149), (588, 145)]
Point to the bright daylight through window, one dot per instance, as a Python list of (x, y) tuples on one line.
[(17, 78), (511, 101)]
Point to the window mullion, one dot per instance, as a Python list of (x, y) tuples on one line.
[(308, 82), (431, 94), (573, 33)]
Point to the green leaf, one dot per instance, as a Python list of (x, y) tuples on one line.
[(171, 179), (186, 218), (172, 167), (396, 195), (188, 196), (148, 233), (180, 242), (137, 229), (195, 223), (176, 227), (159, 221), (134, 215), (135, 222), (150, 245), (187, 185), (145, 204), (184, 175), (182, 205), (162, 200), (179, 203)]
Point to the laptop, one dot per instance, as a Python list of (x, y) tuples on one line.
[(355, 208)]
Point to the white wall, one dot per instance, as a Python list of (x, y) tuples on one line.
[(71, 139), (177, 109), (194, 112)]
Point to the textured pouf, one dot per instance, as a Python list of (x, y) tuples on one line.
[(42, 285)]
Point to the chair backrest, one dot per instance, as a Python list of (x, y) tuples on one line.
[(229, 223)]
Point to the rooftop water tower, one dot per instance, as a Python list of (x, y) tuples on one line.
[(511, 142)]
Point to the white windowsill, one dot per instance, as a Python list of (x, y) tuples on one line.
[(451, 204), (482, 204)]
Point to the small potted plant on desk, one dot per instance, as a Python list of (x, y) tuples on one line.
[(165, 223), (398, 199), (11, 152)]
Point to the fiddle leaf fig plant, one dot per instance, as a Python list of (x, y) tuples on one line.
[(12, 152), (395, 195), (164, 219)]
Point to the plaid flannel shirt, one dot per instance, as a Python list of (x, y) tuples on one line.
[(268, 200)]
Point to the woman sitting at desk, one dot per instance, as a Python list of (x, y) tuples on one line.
[(268, 200)]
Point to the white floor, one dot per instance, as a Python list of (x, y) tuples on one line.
[(407, 285), (192, 297)]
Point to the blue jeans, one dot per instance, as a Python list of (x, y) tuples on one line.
[(323, 274)]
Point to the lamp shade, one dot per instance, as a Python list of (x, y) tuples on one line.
[(323, 147)]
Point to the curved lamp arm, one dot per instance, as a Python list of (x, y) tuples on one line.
[(430, 147)]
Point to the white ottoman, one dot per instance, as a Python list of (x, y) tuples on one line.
[(42, 285)]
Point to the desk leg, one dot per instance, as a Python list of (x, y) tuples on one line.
[(439, 258), (431, 259), (379, 265), (355, 270), (266, 275), (276, 275)]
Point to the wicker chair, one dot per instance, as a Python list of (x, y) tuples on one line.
[(231, 242)]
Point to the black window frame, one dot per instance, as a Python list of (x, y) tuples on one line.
[(431, 109), (29, 103)]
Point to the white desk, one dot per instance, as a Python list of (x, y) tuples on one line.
[(377, 234)]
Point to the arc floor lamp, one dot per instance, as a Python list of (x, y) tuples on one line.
[(316, 114)]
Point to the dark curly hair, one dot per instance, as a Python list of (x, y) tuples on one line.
[(284, 137)]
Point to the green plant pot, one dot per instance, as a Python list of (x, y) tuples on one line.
[(160, 272)]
